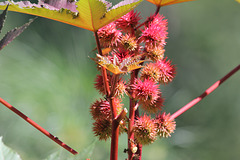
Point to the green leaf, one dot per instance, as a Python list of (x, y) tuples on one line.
[(87, 152), (7, 153), (63, 155), (11, 35), (59, 155), (87, 14)]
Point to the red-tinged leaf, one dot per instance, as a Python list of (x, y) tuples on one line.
[(58, 4), (2, 18), (87, 14), (166, 2), (11, 35)]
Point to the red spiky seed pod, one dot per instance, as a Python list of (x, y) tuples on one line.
[(167, 70), (129, 42), (99, 85), (153, 107), (155, 53), (129, 21), (165, 125), (120, 88), (145, 91), (100, 109), (109, 35), (155, 33), (150, 71), (145, 130), (102, 128)]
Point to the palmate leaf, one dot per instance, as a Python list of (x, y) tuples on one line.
[(166, 2), (11, 35), (87, 14)]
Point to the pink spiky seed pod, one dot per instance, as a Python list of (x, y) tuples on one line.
[(109, 36), (150, 71), (155, 33), (129, 42), (121, 54), (129, 21), (167, 70), (99, 85), (145, 91), (102, 128), (145, 130), (165, 125), (155, 53), (120, 88), (100, 109), (153, 107)]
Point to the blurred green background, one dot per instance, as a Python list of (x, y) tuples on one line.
[(48, 75)]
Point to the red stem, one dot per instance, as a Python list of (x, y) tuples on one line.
[(156, 12), (139, 145), (34, 124), (207, 92), (131, 120), (109, 95), (104, 71), (115, 132)]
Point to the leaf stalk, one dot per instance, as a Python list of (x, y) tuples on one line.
[(38, 127), (204, 94)]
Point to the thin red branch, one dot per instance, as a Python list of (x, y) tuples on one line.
[(156, 12), (34, 124), (207, 92)]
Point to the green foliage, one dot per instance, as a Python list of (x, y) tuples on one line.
[(63, 155), (7, 153)]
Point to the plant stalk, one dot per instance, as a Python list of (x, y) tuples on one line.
[(109, 96), (139, 146), (131, 142), (204, 94), (38, 127), (103, 70)]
